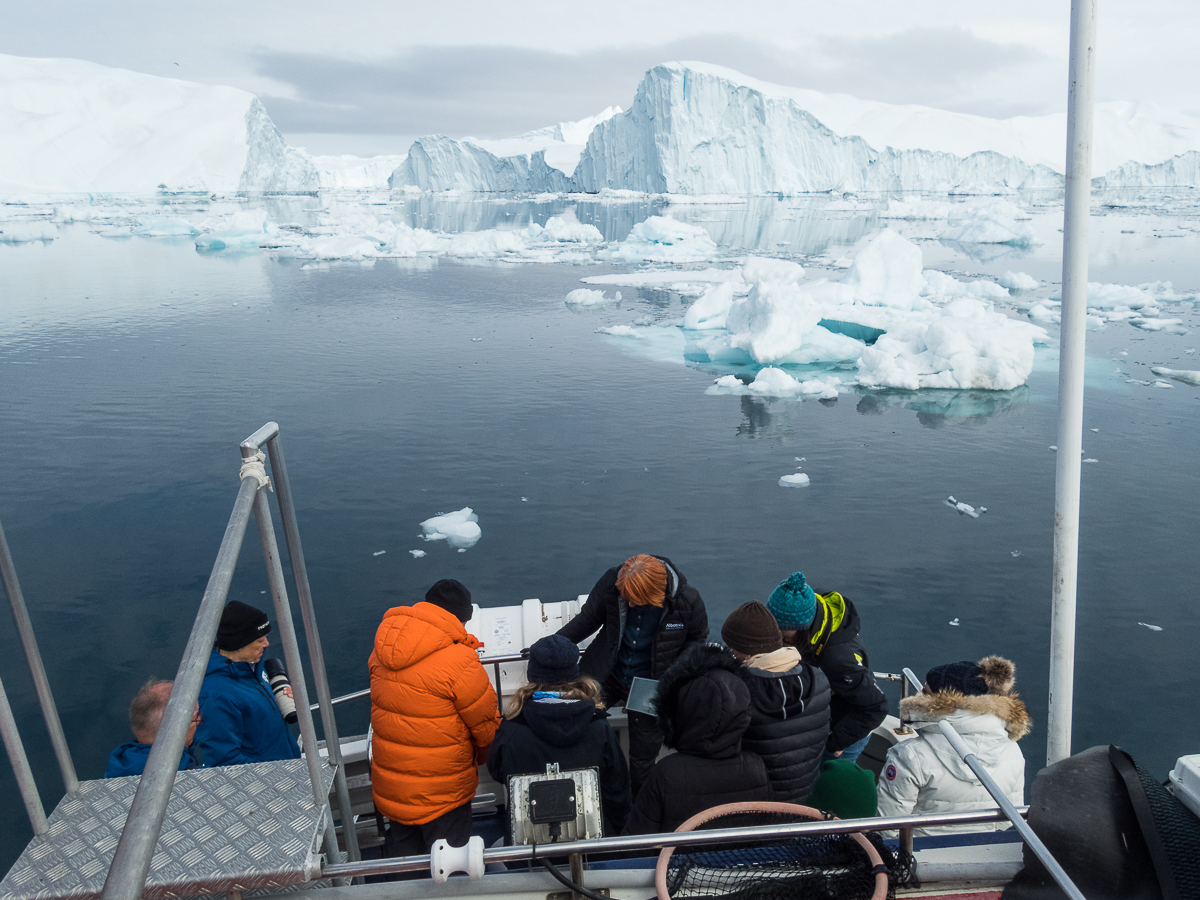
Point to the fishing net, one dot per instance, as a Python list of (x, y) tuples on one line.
[(820, 867)]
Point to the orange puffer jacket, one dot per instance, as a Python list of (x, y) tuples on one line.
[(433, 712)]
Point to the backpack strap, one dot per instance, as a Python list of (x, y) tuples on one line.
[(1125, 767)]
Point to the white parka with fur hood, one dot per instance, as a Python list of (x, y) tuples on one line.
[(923, 775)]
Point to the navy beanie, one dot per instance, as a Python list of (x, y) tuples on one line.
[(793, 603), (241, 625), (965, 677), (453, 597), (553, 660)]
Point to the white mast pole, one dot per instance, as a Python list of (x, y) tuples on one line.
[(1080, 99)]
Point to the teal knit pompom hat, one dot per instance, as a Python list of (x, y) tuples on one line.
[(793, 603)]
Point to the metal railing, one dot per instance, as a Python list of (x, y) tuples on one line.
[(531, 852), (135, 849), (8, 725)]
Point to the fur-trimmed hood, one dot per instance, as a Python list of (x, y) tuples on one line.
[(1007, 707), (703, 704)]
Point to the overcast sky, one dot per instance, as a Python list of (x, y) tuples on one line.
[(361, 76)]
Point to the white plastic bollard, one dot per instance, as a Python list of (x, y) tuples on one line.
[(445, 860)]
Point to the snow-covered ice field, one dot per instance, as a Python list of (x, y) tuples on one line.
[(551, 383)]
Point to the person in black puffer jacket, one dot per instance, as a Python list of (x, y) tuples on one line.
[(557, 717), (789, 702), (703, 709), (647, 614), (824, 628)]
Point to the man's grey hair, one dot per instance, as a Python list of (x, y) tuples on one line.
[(146, 710)]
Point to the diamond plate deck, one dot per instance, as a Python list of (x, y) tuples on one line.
[(230, 828)]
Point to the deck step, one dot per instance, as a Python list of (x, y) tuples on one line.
[(229, 828)]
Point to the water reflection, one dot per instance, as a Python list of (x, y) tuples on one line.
[(935, 407)]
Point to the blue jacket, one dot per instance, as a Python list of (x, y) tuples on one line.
[(242, 723), (130, 759)]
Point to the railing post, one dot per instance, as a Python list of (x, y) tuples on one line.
[(291, 535), (8, 574), (291, 652), (20, 765), (135, 849)]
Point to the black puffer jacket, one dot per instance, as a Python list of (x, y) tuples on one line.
[(789, 725), (703, 708), (575, 735), (858, 705), (684, 622)]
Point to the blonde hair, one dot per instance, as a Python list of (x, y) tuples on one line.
[(583, 688)]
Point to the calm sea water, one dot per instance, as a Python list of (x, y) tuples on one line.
[(130, 370)]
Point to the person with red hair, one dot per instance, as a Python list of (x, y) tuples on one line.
[(646, 615)]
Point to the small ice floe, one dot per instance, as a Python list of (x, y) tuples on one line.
[(1096, 429), (797, 480), (1185, 375), (1151, 627), (417, 554), (476, 340), (589, 297), (954, 621), (379, 553), (801, 458), (524, 499), (1015, 553), (459, 529), (964, 508), (1091, 460), (1163, 384), (1054, 447)]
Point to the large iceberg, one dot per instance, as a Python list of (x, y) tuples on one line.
[(542, 160), (696, 128), (69, 126)]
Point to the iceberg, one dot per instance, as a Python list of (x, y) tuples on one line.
[(459, 529), (69, 126), (696, 128)]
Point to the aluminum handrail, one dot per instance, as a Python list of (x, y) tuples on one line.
[(135, 849), (1010, 811), (674, 839), (8, 575)]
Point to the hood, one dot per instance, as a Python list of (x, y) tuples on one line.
[(968, 714), (840, 621), (779, 695), (561, 723), (131, 756), (703, 704), (408, 634)]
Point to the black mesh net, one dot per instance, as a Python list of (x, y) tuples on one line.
[(821, 867)]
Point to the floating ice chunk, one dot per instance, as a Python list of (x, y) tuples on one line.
[(1156, 324), (954, 621), (246, 228), (1095, 429), (1018, 281), (524, 499), (476, 340), (1151, 627), (379, 553), (939, 284), (1163, 384), (964, 508), (762, 268), (1040, 313), (710, 310), (887, 272), (664, 238), (564, 228), (799, 479), (622, 331), (25, 232), (1187, 376), (458, 529), (658, 277), (1091, 460), (589, 297), (417, 554), (1016, 553), (164, 226), (994, 223)]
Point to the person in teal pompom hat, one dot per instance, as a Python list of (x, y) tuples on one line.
[(824, 628), (793, 603), (845, 789)]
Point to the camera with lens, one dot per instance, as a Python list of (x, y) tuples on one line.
[(277, 677)]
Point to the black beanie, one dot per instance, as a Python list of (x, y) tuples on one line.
[(553, 660), (751, 629), (453, 597), (241, 624), (965, 677)]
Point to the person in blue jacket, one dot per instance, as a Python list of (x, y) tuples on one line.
[(145, 715), (242, 722)]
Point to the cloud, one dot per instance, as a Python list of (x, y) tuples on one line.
[(493, 92)]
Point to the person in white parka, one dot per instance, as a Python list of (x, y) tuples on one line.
[(923, 775)]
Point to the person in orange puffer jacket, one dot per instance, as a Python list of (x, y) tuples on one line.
[(434, 714)]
